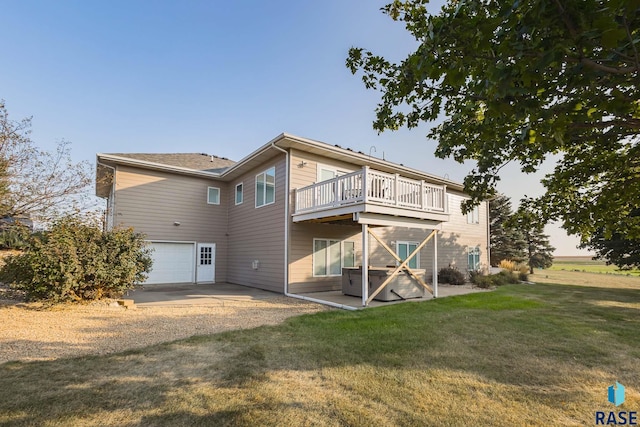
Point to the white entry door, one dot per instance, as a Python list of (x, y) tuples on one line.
[(206, 267)]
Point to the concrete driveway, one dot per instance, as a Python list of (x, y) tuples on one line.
[(219, 294)]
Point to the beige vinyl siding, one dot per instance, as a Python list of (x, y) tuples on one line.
[(151, 201), (301, 176), (301, 254), (304, 171), (257, 233), (453, 240)]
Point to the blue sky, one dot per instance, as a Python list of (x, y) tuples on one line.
[(209, 76)]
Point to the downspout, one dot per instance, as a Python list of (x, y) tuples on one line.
[(488, 238), (286, 218), (286, 241)]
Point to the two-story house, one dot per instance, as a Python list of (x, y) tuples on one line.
[(289, 216)]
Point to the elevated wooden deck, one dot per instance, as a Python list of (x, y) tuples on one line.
[(371, 191)]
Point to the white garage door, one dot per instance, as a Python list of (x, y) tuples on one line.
[(172, 263)]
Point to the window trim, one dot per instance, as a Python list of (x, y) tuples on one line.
[(209, 202), (407, 242), (475, 252), (265, 187), (327, 260), (241, 194), (473, 216)]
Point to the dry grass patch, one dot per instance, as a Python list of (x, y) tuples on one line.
[(36, 332), (522, 355)]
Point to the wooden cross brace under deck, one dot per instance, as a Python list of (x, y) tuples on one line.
[(402, 265)]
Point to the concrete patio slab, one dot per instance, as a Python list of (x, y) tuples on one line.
[(218, 294), (225, 294)]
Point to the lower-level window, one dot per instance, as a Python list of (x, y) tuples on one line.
[(473, 258), (329, 256), (404, 249)]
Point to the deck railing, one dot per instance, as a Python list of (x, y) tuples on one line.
[(371, 186)]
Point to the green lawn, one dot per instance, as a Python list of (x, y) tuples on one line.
[(522, 355), (588, 265)]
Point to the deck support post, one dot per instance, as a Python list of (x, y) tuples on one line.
[(365, 264), (435, 265), (403, 265)]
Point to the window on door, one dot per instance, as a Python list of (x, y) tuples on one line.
[(329, 256), (404, 249), (348, 254), (206, 257), (328, 172)]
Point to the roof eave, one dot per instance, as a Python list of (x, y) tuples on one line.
[(102, 157), (373, 161)]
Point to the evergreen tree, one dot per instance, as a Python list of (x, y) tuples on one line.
[(506, 241), (539, 251)]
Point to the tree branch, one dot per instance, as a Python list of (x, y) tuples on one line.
[(611, 70), (633, 45)]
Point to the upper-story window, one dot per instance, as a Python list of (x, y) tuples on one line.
[(473, 216), (213, 195), (266, 187), (239, 195)]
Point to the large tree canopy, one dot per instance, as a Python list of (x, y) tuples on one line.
[(520, 80), (618, 250)]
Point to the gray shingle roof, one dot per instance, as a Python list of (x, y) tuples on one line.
[(196, 161)]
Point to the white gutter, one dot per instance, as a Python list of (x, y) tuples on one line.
[(286, 241), (489, 236)]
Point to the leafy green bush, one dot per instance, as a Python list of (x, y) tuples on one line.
[(480, 280), (76, 261), (451, 275), (504, 277), (14, 237)]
